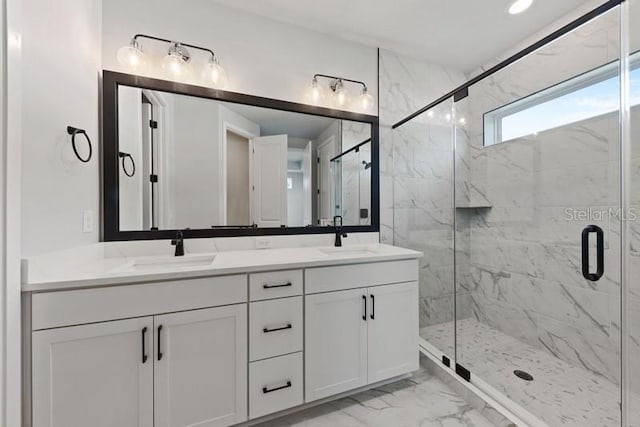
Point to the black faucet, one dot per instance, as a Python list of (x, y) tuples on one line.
[(338, 228), (178, 242)]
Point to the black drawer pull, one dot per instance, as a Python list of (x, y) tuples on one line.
[(267, 330), (373, 307), (159, 346), (267, 390), (282, 285), (364, 306), (144, 350)]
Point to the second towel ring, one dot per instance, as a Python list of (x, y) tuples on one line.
[(123, 156), (73, 131)]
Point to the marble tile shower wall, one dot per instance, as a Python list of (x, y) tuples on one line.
[(416, 168), (524, 274)]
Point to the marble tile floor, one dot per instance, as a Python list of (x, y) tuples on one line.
[(561, 394), (420, 401)]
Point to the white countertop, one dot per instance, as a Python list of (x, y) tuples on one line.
[(91, 268)]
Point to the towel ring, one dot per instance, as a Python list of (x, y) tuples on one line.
[(75, 131), (123, 156)]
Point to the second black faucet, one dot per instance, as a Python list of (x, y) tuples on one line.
[(338, 229), (178, 242)]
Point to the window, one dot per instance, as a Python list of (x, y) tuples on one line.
[(588, 95)]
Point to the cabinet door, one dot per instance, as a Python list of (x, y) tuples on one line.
[(93, 375), (393, 331), (201, 367), (335, 343)]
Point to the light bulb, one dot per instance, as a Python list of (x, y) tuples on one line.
[(366, 101), (214, 75), (131, 56), (339, 94), (174, 65), (316, 93), (519, 6)]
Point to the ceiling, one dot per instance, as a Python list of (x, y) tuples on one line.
[(462, 34), (277, 122)]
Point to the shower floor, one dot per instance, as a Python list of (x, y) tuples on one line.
[(561, 394)]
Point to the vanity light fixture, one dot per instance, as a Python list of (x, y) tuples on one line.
[(339, 94), (519, 6), (176, 65)]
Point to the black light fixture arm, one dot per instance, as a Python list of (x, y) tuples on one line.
[(160, 39), (326, 76)]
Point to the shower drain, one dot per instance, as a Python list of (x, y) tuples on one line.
[(523, 375)]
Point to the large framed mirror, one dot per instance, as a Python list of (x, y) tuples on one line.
[(211, 163)]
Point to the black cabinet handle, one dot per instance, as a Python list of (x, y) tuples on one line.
[(159, 346), (267, 330), (144, 350), (594, 277), (269, 390), (282, 285), (373, 307), (364, 306)]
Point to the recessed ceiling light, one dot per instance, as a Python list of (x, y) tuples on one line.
[(519, 6)]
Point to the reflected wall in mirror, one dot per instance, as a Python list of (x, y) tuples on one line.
[(205, 163)]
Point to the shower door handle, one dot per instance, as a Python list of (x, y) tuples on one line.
[(594, 277)]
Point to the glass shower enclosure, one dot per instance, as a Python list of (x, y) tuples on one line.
[(522, 189)]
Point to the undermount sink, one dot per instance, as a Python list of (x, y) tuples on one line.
[(162, 263), (348, 251)]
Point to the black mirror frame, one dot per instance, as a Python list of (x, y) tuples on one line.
[(110, 160)]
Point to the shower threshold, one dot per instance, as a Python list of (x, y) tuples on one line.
[(559, 394)]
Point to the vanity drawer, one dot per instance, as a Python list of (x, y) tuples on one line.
[(275, 327), (78, 306), (327, 279), (275, 284), (275, 384)]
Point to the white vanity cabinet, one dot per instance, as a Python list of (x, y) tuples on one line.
[(335, 343), (275, 342), (200, 367), (359, 336), (93, 375), (177, 369), (217, 351)]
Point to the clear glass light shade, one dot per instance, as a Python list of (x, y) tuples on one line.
[(340, 96), (365, 102), (174, 66), (315, 93), (214, 75), (131, 57)]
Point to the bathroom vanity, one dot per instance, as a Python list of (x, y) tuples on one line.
[(219, 336), (212, 339)]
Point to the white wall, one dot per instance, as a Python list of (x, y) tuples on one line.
[(10, 177), (61, 58), (262, 57), (197, 159), (65, 47), (196, 162), (130, 141)]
